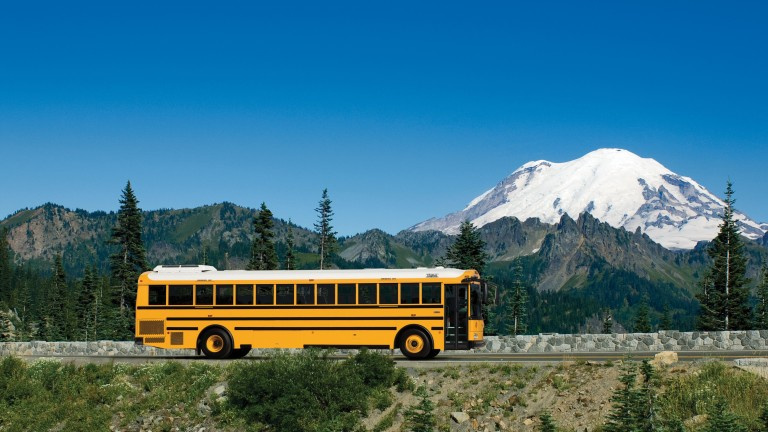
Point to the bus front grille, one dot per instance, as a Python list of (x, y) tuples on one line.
[(154, 340), (151, 327)]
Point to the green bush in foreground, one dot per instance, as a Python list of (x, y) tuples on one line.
[(308, 391)]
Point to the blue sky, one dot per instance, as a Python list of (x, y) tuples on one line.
[(404, 111)]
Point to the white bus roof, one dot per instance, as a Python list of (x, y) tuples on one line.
[(196, 273)]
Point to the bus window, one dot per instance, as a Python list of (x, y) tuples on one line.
[(244, 295), (180, 295), (224, 294), (156, 295), (326, 294), (388, 293), (305, 294), (366, 293), (347, 294), (285, 294), (265, 294), (430, 293), (409, 293), (204, 295), (475, 304)]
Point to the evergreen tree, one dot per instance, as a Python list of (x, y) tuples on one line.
[(128, 262), (642, 321), (728, 271), (721, 419), (547, 424), (624, 412), (6, 269), (326, 235), (87, 306), (709, 304), (665, 323), (24, 313), (290, 257), (646, 398), (54, 305), (6, 327), (421, 418), (607, 321), (761, 308), (516, 305), (263, 255), (468, 251)]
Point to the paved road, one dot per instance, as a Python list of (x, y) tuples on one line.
[(454, 357)]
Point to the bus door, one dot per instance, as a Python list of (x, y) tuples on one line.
[(456, 325)]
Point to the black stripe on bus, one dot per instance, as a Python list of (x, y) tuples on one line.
[(348, 346), (208, 307), (181, 328), (428, 318), (314, 328), (437, 328)]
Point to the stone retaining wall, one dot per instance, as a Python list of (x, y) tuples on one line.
[(559, 343)]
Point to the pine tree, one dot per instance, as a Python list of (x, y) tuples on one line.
[(721, 419), (547, 424), (665, 323), (54, 305), (607, 321), (624, 412), (263, 255), (24, 312), (421, 418), (290, 257), (646, 398), (128, 262), (642, 322), (468, 251), (87, 306), (728, 271), (516, 305), (326, 235), (6, 268), (709, 304), (761, 308)]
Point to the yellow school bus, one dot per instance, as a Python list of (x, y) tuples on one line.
[(224, 314)]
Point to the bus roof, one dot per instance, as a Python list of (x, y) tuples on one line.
[(209, 273)]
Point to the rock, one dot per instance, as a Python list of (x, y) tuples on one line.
[(220, 389), (664, 358), (459, 417), (695, 421), (528, 421)]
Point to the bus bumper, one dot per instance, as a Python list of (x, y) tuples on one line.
[(476, 344)]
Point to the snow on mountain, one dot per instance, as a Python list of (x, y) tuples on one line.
[(614, 185)]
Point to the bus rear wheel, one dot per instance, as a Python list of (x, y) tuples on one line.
[(216, 343), (414, 344)]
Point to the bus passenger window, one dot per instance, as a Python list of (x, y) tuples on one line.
[(156, 295), (347, 294), (366, 293), (409, 293), (326, 294), (265, 294), (285, 294), (224, 294), (430, 293), (180, 295), (204, 295), (244, 295), (388, 293), (305, 294)]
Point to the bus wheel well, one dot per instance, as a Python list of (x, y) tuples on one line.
[(413, 326), (215, 326)]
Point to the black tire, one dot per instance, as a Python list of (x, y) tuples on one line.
[(239, 353), (216, 343), (432, 354), (414, 344)]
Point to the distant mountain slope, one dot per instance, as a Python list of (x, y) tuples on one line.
[(613, 185)]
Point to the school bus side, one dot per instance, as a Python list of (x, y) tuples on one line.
[(405, 313)]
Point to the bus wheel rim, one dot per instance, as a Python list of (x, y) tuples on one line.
[(414, 344), (214, 343)]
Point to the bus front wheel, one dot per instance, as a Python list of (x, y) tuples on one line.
[(414, 344), (216, 343)]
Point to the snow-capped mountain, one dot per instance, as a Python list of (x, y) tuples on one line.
[(614, 185)]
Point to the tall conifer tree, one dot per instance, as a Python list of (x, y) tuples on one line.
[(516, 304), (87, 305), (468, 251), (290, 257), (709, 305), (5, 268), (54, 306), (642, 321), (326, 235), (263, 255), (761, 308), (728, 272), (129, 261)]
